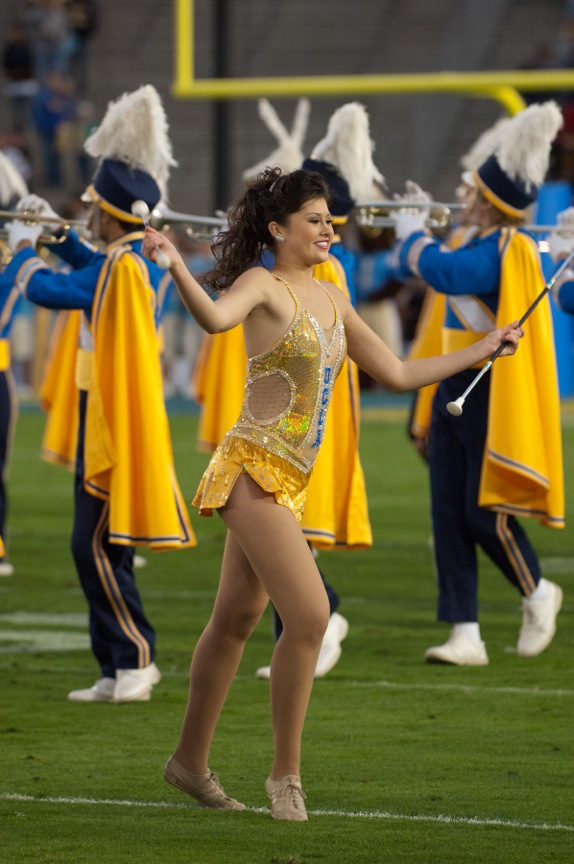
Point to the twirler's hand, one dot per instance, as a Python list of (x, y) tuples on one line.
[(155, 242), (508, 336)]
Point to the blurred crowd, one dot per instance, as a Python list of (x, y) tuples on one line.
[(45, 82), (45, 66), (558, 54)]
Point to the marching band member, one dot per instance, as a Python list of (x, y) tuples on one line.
[(12, 187), (126, 492), (503, 458)]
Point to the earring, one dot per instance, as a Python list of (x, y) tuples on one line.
[(280, 238)]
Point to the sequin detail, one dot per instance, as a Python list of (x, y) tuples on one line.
[(287, 395), (288, 388), (270, 472)]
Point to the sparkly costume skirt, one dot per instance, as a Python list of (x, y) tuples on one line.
[(272, 473)]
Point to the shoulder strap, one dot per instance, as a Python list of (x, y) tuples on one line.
[(291, 292)]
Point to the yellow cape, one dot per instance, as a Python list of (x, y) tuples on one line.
[(336, 511), (59, 394), (427, 343), (522, 472), (128, 455), (219, 381)]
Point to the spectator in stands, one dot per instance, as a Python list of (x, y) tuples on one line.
[(18, 67), (14, 145), (83, 20), (52, 38), (562, 162), (54, 105)]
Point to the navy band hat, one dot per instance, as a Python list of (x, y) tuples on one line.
[(116, 186), (511, 195), (511, 175), (133, 153), (341, 201)]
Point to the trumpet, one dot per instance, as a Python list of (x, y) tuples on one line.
[(162, 217), (45, 238), (379, 214), (548, 229), (543, 243)]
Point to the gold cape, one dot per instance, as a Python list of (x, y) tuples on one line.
[(427, 343), (336, 510), (219, 381), (59, 394), (522, 471), (128, 454)]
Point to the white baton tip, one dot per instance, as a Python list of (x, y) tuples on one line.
[(140, 208), (162, 260), (455, 408)]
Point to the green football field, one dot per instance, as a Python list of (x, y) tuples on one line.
[(403, 762)]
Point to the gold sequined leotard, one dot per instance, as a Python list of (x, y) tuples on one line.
[(282, 421)]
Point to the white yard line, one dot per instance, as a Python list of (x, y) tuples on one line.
[(348, 814), (461, 688)]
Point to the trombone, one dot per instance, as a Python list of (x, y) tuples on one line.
[(162, 217), (45, 238)]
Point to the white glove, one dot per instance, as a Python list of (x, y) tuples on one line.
[(18, 231), (409, 223), (410, 220), (36, 205), (561, 243), (415, 194)]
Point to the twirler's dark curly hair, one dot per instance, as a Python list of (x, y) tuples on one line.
[(271, 197)]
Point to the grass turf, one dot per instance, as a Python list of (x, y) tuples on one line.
[(402, 762)]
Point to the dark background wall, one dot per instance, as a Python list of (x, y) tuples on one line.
[(418, 137)]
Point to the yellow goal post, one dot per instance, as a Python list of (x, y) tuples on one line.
[(504, 86)]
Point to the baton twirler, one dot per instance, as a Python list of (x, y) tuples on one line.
[(140, 208), (455, 408)]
